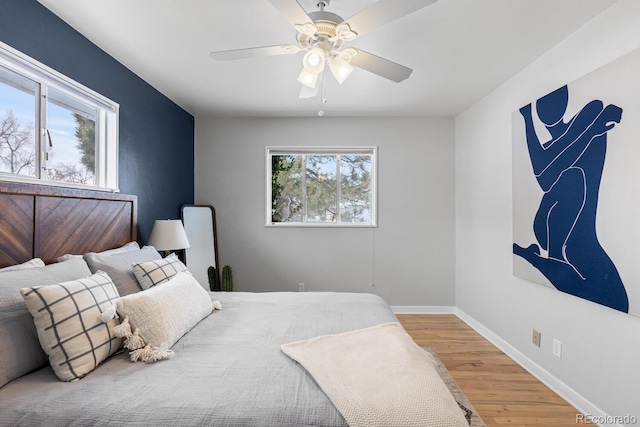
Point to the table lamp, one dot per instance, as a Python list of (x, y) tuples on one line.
[(168, 235)]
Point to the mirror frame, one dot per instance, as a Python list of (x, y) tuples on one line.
[(215, 240)]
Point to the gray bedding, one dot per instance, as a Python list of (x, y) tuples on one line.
[(228, 371)]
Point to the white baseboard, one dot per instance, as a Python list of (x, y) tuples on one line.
[(561, 389), (423, 309)]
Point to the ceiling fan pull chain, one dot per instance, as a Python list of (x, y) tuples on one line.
[(323, 100)]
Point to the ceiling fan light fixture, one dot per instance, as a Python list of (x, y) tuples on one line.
[(322, 35), (308, 28), (345, 32), (340, 69), (313, 61), (348, 54), (308, 79)]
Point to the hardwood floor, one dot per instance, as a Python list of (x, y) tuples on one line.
[(502, 392)]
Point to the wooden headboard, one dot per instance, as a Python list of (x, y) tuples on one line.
[(39, 221)]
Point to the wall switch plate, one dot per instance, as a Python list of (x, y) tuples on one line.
[(300, 287), (537, 336), (557, 348)]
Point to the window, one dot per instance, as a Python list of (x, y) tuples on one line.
[(321, 186), (52, 129)]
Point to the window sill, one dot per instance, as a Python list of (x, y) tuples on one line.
[(36, 181), (317, 225)]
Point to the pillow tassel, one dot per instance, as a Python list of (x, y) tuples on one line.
[(150, 354), (135, 341), (217, 305), (142, 354), (109, 314), (160, 353), (123, 330)]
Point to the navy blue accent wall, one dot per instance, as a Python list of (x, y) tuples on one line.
[(156, 136)]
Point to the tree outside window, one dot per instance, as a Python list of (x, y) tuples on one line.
[(52, 129), (321, 186)]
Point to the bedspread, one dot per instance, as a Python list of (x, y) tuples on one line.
[(228, 370)]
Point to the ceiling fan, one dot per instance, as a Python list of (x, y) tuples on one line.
[(322, 35)]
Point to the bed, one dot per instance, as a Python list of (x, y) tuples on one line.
[(229, 369)]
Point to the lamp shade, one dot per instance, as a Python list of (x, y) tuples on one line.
[(340, 68), (308, 79), (168, 234)]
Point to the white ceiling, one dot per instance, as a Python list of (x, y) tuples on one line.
[(459, 50)]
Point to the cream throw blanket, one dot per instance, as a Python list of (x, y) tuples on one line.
[(378, 376)]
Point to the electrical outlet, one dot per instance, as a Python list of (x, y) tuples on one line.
[(300, 287), (557, 348), (537, 336), (371, 284)]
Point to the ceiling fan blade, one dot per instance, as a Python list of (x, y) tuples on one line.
[(292, 11), (254, 52), (380, 66), (382, 12)]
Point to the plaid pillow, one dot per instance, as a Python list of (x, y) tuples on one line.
[(67, 318), (152, 273)]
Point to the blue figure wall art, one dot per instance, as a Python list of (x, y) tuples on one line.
[(568, 168), (576, 187)]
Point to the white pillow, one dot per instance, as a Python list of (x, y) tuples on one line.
[(152, 273), (163, 314), (68, 320)]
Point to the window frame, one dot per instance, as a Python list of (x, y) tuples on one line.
[(271, 151), (106, 123)]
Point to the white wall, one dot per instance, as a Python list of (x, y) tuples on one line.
[(409, 257), (601, 347)]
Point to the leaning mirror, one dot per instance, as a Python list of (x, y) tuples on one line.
[(200, 226)]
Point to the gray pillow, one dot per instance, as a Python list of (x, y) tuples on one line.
[(131, 246), (32, 263), (20, 351), (119, 267)]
